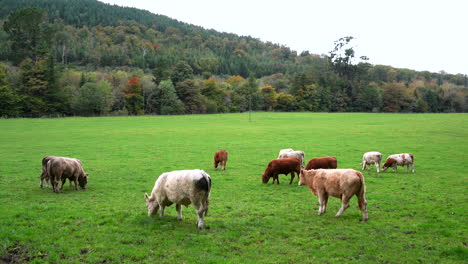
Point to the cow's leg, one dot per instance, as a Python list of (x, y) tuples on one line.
[(362, 205), (377, 164), (224, 165), (76, 184), (325, 202), (47, 183), (277, 178), (207, 203), (63, 182), (321, 202), (198, 205), (412, 167), (292, 177), (344, 205), (179, 211), (161, 213)]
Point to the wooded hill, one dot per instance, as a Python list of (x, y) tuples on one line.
[(64, 57)]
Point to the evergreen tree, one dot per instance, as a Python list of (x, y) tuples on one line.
[(170, 104)]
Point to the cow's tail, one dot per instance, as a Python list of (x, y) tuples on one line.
[(412, 157), (362, 191)]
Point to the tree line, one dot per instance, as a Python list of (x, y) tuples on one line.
[(133, 67)]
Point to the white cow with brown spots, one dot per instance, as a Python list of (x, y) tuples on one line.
[(403, 159)]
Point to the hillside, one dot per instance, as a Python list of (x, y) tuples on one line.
[(64, 57), (92, 32)]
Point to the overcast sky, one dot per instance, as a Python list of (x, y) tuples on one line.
[(416, 34)]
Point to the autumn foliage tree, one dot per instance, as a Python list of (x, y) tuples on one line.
[(133, 93)]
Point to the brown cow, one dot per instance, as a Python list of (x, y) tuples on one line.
[(220, 157), (281, 166), (340, 183), (322, 163), (61, 168), (44, 174)]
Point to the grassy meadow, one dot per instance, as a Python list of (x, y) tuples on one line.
[(413, 218)]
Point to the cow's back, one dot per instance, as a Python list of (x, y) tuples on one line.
[(334, 182), (176, 186)]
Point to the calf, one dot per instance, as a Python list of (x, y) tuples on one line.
[(281, 166), (221, 158), (399, 160), (322, 163), (372, 157), (293, 154), (183, 187), (61, 168), (340, 183)]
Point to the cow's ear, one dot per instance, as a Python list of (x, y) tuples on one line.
[(302, 171), (147, 197)]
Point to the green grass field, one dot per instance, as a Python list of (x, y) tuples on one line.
[(413, 218)]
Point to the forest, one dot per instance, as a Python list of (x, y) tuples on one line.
[(87, 58)]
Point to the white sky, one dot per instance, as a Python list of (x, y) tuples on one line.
[(415, 34)]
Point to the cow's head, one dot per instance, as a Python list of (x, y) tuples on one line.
[(83, 180), (301, 178), (151, 204), (388, 163), (265, 178)]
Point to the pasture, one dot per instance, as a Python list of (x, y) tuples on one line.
[(413, 218)]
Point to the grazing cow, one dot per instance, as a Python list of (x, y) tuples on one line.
[(221, 158), (283, 151), (372, 157), (340, 183), (183, 187), (61, 168), (399, 160), (44, 174), (281, 166), (322, 163), (293, 154)]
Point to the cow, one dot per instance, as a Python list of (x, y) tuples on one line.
[(182, 187), (221, 158), (340, 183), (281, 166), (44, 174), (61, 168), (322, 163), (293, 154), (372, 157), (399, 160), (283, 151)]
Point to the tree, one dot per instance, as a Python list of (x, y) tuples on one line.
[(182, 71), (30, 34), (394, 98), (212, 91), (170, 104), (269, 97), (93, 99), (134, 101), (9, 100), (191, 96)]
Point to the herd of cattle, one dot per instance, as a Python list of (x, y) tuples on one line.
[(185, 187)]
